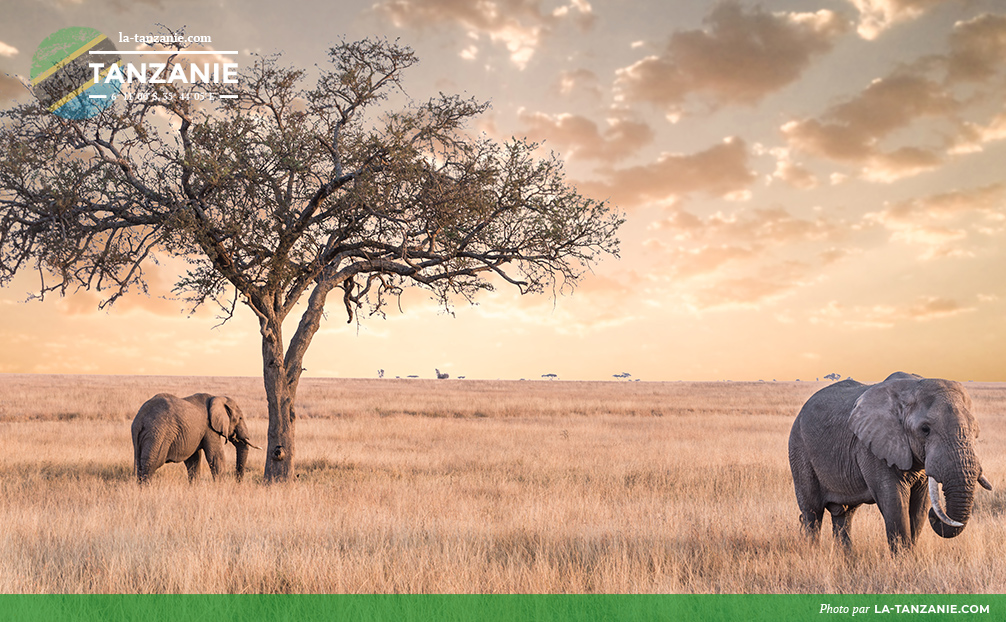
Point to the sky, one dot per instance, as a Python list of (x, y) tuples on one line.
[(810, 187)]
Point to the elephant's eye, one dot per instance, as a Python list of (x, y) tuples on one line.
[(924, 428)]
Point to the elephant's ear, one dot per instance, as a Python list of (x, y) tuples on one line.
[(878, 420), (220, 419)]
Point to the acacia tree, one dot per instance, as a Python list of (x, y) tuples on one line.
[(285, 191)]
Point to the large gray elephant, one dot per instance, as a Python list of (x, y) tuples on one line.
[(174, 429), (891, 444)]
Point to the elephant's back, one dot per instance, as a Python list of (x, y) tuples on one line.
[(154, 413), (160, 403), (835, 398), (827, 412)]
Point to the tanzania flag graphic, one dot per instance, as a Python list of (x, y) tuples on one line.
[(61, 78)]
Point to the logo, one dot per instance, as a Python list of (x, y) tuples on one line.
[(62, 79), (78, 72)]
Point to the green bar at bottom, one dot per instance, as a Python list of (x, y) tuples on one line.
[(503, 608)]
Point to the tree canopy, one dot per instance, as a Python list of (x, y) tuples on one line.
[(283, 191)]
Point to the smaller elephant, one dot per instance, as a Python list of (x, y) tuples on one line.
[(174, 429)]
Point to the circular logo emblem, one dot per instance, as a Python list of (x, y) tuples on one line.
[(62, 78)]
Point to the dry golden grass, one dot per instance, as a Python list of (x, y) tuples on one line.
[(457, 486)]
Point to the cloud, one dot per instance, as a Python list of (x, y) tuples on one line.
[(11, 88), (977, 48), (739, 58), (599, 302), (795, 175), (765, 226), (580, 138), (854, 131), (7, 50), (934, 308), (974, 136), (750, 291), (786, 170), (987, 200), (924, 309), (689, 262), (940, 222), (937, 240), (720, 171), (900, 163), (469, 53), (517, 24), (876, 16), (929, 99), (579, 81), (743, 259)]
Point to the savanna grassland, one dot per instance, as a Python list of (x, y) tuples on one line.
[(458, 486)]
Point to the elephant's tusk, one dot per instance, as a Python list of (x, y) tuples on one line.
[(934, 497), (984, 482), (241, 441)]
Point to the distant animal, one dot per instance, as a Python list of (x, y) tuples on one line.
[(887, 443), (175, 429)]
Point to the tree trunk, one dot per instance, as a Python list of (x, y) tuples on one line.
[(280, 451), (281, 374)]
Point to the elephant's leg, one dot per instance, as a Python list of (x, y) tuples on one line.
[(142, 473), (214, 450), (808, 494), (810, 521), (841, 523), (192, 465), (892, 491), (897, 523), (918, 506), (149, 458)]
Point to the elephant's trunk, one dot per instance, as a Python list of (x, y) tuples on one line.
[(241, 450), (241, 446), (960, 498)]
